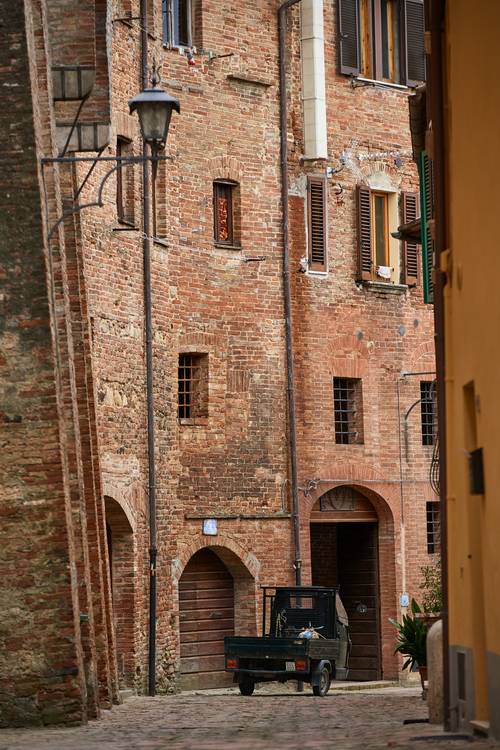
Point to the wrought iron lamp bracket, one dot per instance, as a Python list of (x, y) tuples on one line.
[(117, 161)]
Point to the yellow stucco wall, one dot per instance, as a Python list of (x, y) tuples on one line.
[(472, 328)]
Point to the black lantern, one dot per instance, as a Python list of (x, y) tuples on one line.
[(154, 108)]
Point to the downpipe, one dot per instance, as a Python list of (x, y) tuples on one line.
[(287, 299)]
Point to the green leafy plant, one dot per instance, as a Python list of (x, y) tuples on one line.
[(412, 634), (432, 597)]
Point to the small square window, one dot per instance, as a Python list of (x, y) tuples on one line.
[(348, 407), (193, 386), (433, 527)]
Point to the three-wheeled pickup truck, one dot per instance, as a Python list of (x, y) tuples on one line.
[(305, 638)]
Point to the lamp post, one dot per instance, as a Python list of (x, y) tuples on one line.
[(154, 108)]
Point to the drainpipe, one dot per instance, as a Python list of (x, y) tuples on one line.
[(148, 324), (436, 19), (287, 298)]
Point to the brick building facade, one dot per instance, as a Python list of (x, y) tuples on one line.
[(75, 612)]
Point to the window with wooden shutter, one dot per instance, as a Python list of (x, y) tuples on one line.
[(382, 40), (316, 214), (414, 51), (349, 37), (410, 249), (427, 214), (364, 234)]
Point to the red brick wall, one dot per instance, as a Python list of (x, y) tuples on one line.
[(228, 304), (41, 673)]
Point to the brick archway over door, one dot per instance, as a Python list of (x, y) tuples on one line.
[(344, 552), (206, 604), (120, 540)]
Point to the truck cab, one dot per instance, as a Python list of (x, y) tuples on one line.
[(305, 637)]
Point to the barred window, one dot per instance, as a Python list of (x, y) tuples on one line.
[(193, 386), (433, 527), (348, 408), (428, 411)]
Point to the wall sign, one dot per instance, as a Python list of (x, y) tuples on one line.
[(210, 526)]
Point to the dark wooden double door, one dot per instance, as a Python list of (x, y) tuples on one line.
[(346, 555), (206, 603)]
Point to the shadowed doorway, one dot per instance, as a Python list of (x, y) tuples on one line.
[(344, 552)]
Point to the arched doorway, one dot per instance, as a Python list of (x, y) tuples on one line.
[(120, 539), (206, 604), (344, 552)]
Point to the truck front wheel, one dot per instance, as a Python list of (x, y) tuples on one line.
[(323, 686), (247, 686)]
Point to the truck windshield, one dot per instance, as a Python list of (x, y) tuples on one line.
[(293, 612)]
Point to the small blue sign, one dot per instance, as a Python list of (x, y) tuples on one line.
[(210, 526)]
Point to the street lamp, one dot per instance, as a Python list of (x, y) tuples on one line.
[(154, 109)]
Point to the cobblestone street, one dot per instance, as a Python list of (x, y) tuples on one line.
[(217, 720)]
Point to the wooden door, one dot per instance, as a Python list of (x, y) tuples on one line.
[(206, 594), (357, 561)]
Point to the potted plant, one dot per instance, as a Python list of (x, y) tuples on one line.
[(432, 596), (411, 641)]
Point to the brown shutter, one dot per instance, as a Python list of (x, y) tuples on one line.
[(364, 233), (316, 214), (348, 18), (427, 208), (410, 249), (414, 57)]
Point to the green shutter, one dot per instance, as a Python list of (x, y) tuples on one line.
[(427, 213)]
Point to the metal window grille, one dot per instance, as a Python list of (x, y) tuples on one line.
[(192, 386), (428, 412), (433, 527), (347, 408)]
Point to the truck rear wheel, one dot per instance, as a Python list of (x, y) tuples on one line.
[(247, 686), (324, 683)]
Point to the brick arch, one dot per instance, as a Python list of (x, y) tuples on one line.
[(244, 569), (379, 174), (241, 564), (347, 357), (384, 500), (225, 167), (115, 491), (424, 351), (122, 543)]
